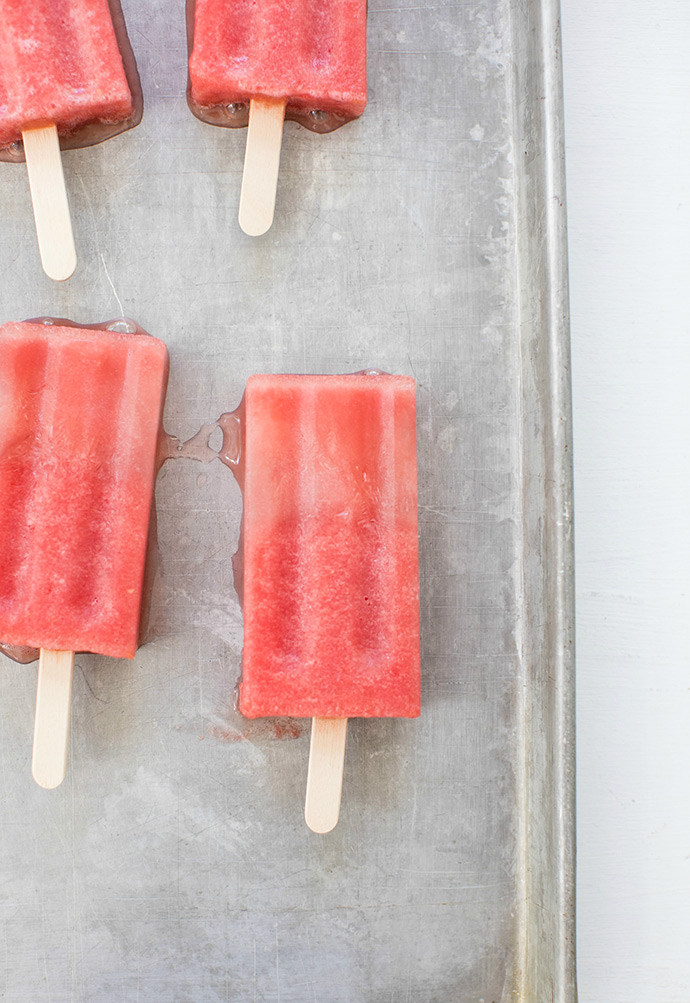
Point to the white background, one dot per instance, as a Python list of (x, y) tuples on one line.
[(627, 90)]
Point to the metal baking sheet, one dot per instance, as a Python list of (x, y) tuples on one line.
[(426, 238)]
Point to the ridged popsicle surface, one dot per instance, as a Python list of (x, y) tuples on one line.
[(331, 594), (310, 53), (59, 63), (80, 414)]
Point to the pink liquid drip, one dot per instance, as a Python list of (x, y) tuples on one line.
[(199, 448)]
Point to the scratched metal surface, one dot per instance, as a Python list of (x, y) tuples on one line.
[(426, 238)]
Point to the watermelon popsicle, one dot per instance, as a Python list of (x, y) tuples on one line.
[(259, 63), (329, 560), (67, 78), (80, 413)]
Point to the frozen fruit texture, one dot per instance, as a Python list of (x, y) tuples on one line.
[(59, 63), (330, 564), (80, 413), (310, 53)]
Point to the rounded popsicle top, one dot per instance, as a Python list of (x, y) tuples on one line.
[(363, 377), (59, 330)]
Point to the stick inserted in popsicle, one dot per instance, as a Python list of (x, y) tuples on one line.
[(67, 71), (325, 775), (261, 163), (80, 412), (264, 62), (51, 725), (329, 560), (49, 199)]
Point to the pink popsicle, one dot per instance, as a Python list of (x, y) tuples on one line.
[(258, 63), (330, 589), (80, 412), (310, 54), (60, 64), (67, 76)]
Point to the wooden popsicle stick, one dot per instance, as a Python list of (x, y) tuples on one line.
[(51, 727), (261, 162), (325, 774), (49, 198)]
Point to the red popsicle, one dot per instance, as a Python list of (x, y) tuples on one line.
[(259, 63), (311, 55), (330, 568), (61, 63), (79, 418), (80, 412), (63, 80)]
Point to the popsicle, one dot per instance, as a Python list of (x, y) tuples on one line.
[(329, 560), (67, 78), (80, 412), (260, 63)]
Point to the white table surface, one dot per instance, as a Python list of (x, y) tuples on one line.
[(627, 89)]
